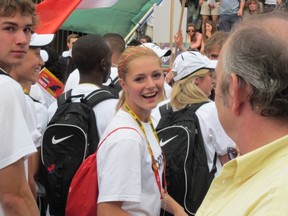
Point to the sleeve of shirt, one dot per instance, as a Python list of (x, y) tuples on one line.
[(15, 139), (119, 167)]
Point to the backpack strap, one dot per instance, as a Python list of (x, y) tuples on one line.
[(115, 84), (214, 167), (195, 107), (3, 73), (63, 98), (165, 109), (97, 96)]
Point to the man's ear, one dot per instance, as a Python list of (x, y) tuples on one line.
[(237, 93), (103, 65)]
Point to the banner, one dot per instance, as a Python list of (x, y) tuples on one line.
[(50, 83), (53, 13)]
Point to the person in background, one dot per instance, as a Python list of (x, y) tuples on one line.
[(209, 8), (212, 49), (194, 39), (117, 45), (214, 44), (254, 7), (66, 58), (17, 20), (208, 31), (145, 39), (252, 104), (231, 11), (270, 5), (133, 185), (94, 69)]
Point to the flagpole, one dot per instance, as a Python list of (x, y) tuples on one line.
[(171, 32), (140, 22), (180, 24)]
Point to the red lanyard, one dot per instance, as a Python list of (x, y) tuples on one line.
[(154, 164)]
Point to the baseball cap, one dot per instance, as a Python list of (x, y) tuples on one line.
[(39, 40), (160, 52), (44, 55), (189, 62)]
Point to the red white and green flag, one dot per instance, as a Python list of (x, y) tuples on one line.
[(53, 13)]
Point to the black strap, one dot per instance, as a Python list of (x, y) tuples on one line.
[(97, 96), (214, 167), (3, 73), (92, 99), (63, 98), (34, 100)]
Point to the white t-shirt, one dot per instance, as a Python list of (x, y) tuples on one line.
[(32, 121), (74, 79), (41, 118), (125, 167), (15, 139), (104, 111), (214, 137)]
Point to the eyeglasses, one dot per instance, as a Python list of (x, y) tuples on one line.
[(189, 30), (232, 153)]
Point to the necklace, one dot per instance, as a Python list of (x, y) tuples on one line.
[(154, 164)]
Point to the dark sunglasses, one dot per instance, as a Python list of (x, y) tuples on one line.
[(190, 31)]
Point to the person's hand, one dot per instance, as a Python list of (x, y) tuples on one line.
[(240, 13), (212, 5), (178, 39), (200, 2)]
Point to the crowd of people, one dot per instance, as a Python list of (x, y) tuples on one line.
[(236, 68)]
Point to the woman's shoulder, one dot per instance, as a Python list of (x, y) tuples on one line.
[(123, 124)]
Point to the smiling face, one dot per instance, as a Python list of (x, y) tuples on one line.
[(30, 68), (15, 35), (143, 85)]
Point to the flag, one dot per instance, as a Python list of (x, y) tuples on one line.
[(88, 4), (53, 13)]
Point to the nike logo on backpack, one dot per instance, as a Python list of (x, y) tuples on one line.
[(56, 141), (165, 142)]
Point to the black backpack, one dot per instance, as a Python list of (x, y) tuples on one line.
[(114, 86), (187, 173), (70, 137)]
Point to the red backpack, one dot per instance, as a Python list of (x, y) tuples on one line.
[(83, 190)]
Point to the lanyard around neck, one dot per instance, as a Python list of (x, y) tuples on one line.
[(154, 164)]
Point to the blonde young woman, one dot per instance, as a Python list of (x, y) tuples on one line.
[(130, 162), (193, 74)]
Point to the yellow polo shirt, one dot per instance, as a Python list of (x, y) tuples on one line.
[(253, 184)]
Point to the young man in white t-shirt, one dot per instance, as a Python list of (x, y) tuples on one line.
[(17, 19)]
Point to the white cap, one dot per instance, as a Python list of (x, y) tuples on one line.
[(160, 52), (189, 62), (44, 55), (39, 40)]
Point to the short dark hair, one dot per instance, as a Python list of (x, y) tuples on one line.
[(116, 41), (88, 52)]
